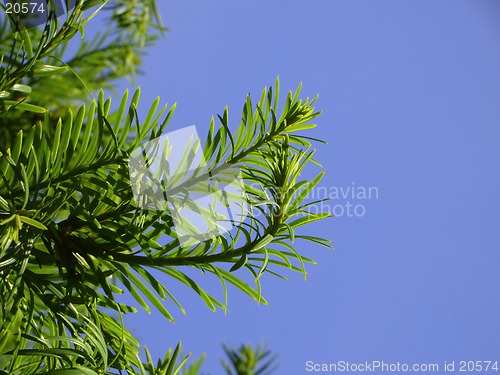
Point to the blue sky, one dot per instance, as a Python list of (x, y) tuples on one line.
[(410, 94)]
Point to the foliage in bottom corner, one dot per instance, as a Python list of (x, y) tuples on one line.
[(72, 235)]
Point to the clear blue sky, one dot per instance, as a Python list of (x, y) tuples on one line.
[(410, 92)]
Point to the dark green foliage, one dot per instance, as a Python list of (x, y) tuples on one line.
[(72, 236), (247, 361)]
